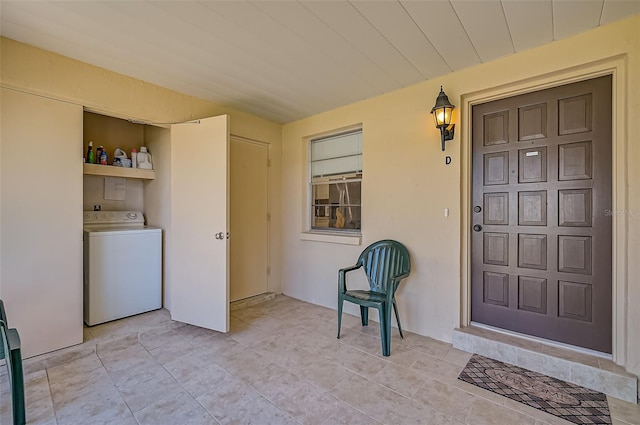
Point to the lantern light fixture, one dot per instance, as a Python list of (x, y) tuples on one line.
[(442, 115)]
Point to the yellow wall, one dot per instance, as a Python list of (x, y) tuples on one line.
[(48, 74), (406, 183), (407, 186)]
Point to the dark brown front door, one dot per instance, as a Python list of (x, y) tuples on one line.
[(541, 214)]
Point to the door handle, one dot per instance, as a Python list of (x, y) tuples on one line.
[(219, 235), (477, 228)]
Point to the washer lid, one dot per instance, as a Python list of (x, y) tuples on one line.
[(97, 219), (97, 231)]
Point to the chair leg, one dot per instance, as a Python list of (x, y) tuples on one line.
[(395, 309), (340, 302), (383, 331), (18, 396), (16, 379), (387, 323), (364, 315)]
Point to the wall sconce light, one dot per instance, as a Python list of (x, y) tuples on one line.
[(442, 114)]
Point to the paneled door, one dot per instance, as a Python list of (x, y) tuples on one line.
[(199, 223), (541, 214)]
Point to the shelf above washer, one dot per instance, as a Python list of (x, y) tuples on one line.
[(111, 171)]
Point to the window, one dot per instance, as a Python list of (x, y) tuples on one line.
[(335, 182)]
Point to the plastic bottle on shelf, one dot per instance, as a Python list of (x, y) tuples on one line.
[(104, 158), (144, 159), (134, 158), (90, 154), (118, 157)]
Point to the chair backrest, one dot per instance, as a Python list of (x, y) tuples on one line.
[(382, 260)]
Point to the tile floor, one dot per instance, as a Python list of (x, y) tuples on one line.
[(280, 364)]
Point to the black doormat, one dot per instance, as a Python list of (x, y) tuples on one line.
[(562, 399)]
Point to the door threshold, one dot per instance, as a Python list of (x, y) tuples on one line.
[(592, 371), (570, 347), (250, 301)]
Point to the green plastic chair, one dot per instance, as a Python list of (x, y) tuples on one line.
[(385, 263)]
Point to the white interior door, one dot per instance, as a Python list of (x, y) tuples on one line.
[(199, 223)]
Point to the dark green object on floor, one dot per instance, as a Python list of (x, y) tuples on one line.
[(10, 352), (385, 263)]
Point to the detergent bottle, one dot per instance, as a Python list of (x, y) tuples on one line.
[(143, 160), (118, 157)]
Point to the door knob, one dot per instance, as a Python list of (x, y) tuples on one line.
[(477, 228), (477, 208)]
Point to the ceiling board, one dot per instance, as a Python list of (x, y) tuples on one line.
[(289, 51), (396, 25), (325, 40), (285, 60), (573, 16), (486, 26), (618, 9), (439, 22), (343, 18), (530, 22)]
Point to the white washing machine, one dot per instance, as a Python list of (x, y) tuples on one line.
[(122, 266)]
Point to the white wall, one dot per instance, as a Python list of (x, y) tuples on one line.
[(93, 190)]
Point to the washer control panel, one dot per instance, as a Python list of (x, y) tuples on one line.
[(94, 218)]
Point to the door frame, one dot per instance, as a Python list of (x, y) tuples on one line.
[(616, 67)]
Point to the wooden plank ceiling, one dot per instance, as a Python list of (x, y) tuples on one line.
[(286, 60)]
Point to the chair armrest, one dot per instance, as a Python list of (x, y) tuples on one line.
[(342, 281)]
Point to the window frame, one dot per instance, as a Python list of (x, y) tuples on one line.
[(330, 234)]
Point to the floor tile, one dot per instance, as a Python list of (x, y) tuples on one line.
[(231, 401), (624, 411), (36, 386), (146, 393), (400, 379), (458, 357), (133, 366), (280, 364), (446, 399), (182, 409), (427, 345), (323, 373), (191, 374), (40, 411), (347, 415), (484, 412), (375, 400), (96, 405), (440, 370)]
